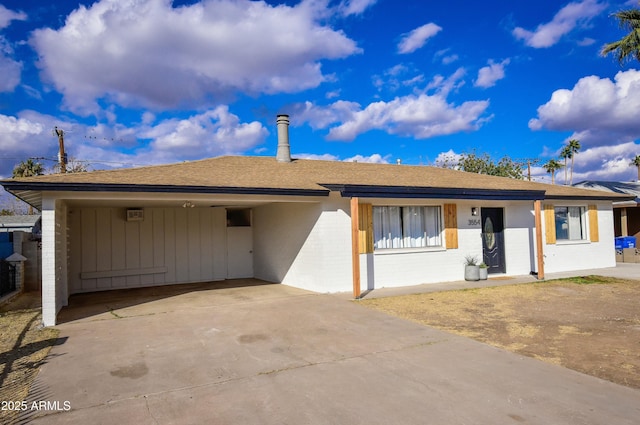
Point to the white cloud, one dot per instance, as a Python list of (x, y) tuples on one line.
[(417, 38), (566, 20), (375, 158), (18, 134), (322, 117), (420, 116), (24, 137), (446, 60), (211, 133), (447, 56), (587, 41), (148, 53), (448, 159), (396, 77), (315, 156), (9, 68), (354, 7), (444, 86), (6, 16), (608, 163), (599, 110), (489, 75)]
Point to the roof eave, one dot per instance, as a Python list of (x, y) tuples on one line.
[(597, 197), (424, 192), (140, 188)]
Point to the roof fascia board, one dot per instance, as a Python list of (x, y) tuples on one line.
[(105, 187), (365, 191), (589, 198)]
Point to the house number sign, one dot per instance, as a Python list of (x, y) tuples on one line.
[(474, 222)]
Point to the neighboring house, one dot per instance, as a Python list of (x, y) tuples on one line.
[(318, 225), (626, 214), (12, 223), (24, 223)]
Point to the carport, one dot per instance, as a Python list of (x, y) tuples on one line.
[(120, 240)]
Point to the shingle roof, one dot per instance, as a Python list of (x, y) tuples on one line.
[(266, 174), (629, 188)]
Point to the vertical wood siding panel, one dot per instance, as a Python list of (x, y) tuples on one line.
[(118, 248), (193, 228), (451, 226), (170, 244), (594, 232), (219, 216), (365, 228), (206, 247), (158, 243), (182, 245), (550, 224), (75, 245), (146, 246), (132, 244), (88, 234), (103, 248)]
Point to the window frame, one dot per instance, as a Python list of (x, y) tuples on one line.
[(582, 224), (402, 236)]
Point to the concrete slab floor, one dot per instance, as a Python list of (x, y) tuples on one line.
[(271, 354)]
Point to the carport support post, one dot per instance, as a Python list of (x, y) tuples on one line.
[(355, 248), (539, 247), (49, 293)]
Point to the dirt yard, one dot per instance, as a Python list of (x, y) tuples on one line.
[(589, 324), (24, 344)]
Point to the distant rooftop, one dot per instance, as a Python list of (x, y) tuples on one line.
[(18, 221), (628, 188)]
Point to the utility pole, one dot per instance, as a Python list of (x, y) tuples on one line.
[(529, 162), (62, 156)]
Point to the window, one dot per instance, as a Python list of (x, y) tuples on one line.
[(570, 223), (406, 227), (238, 217)]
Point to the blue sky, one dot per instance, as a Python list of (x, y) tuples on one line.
[(139, 82)]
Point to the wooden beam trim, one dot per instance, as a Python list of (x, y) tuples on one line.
[(539, 242), (355, 248)]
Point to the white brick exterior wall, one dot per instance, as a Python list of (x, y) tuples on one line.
[(49, 292), (306, 245), (580, 255), (414, 267)]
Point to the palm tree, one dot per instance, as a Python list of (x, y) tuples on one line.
[(574, 147), (564, 154), (551, 167), (629, 46), (28, 168), (636, 162)]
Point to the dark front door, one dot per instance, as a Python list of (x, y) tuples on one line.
[(493, 239)]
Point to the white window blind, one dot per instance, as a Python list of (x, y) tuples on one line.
[(406, 227)]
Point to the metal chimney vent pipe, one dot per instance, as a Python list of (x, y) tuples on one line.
[(284, 149)]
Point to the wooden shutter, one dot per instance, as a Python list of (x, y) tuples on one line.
[(550, 224), (594, 234), (365, 228), (451, 226)]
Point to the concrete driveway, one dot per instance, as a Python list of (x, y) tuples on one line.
[(271, 354)]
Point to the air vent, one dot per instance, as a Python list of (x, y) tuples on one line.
[(135, 214)]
